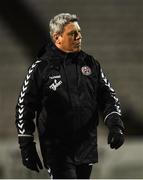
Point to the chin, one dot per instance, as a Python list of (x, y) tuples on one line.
[(74, 49), (77, 49)]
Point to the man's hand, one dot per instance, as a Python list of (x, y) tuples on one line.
[(115, 138), (29, 155)]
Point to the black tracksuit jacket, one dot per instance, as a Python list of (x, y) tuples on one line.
[(65, 92)]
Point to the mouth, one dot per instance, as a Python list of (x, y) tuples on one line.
[(77, 44)]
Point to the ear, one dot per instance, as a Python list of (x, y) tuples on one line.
[(57, 38)]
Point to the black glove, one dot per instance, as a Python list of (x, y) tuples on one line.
[(115, 137), (29, 154)]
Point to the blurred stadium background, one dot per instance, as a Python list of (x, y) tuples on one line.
[(112, 32)]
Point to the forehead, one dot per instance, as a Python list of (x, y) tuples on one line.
[(71, 26)]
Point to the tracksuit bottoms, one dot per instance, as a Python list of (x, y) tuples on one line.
[(66, 170)]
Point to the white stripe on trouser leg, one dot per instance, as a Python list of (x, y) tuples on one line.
[(90, 164), (49, 171)]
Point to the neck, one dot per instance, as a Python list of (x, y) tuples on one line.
[(65, 50), (61, 48)]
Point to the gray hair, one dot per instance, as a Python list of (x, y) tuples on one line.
[(57, 24)]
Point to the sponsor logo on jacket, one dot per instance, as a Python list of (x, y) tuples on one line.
[(56, 83)]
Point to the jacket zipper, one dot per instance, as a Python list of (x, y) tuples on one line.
[(67, 81)]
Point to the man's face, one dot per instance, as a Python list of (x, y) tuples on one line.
[(70, 39)]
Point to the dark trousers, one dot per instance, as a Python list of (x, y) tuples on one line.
[(70, 171)]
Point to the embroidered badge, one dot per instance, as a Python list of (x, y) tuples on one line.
[(86, 70)]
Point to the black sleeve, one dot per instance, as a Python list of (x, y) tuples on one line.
[(108, 102), (28, 101)]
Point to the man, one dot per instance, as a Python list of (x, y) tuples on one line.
[(65, 89)]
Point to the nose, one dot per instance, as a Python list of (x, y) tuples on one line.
[(79, 36)]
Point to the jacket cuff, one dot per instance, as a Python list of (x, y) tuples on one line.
[(113, 120), (25, 140), (25, 135)]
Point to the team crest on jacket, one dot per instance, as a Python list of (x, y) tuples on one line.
[(86, 70)]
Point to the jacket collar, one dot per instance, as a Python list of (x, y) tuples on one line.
[(55, 56)]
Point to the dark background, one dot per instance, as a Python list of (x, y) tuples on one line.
[(113, 33)]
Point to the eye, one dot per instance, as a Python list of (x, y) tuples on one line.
[(71, 33), (74, 33)]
